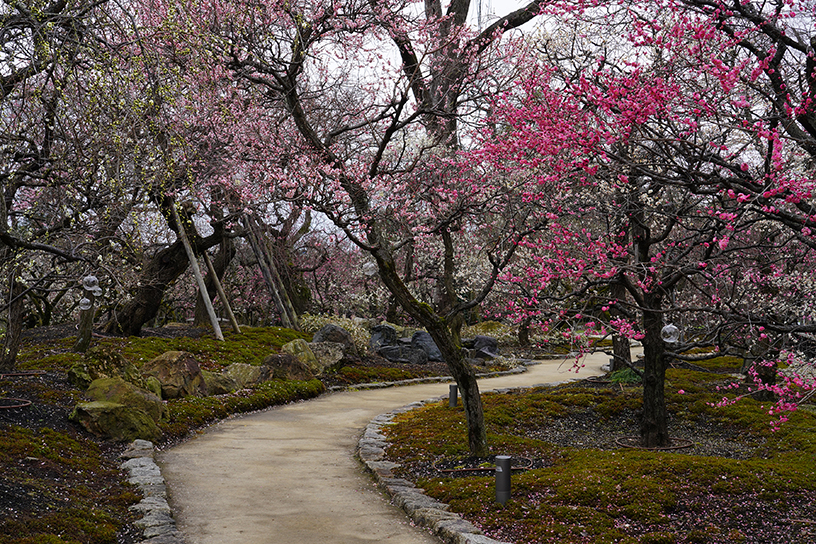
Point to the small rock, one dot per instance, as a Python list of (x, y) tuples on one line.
[(405, 354), (338, 335), (328, 354), (115, 421), (382, 335), (286, 366), (118, 390)]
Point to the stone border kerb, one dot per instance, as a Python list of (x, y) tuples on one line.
[(157, 523)]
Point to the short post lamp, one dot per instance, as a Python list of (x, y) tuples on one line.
[(503, 471), (453, 396), (91, 290)]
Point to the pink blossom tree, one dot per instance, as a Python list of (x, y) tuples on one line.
[(679, 138)]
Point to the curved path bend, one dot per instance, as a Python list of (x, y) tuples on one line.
[(288, 475)]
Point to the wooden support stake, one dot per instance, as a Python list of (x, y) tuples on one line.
[(220, 288), (197, 272)]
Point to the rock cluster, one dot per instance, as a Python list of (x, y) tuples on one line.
[(157, 523), (127, 403), (330, 348), (420, 348)]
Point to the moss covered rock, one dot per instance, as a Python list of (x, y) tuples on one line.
[(328, 355), (338, 335), (244, 375), (179, 374), (218, 383), (119, 391), (104, 362), (302, 352), (115, 421), (287, 367), (153, 385)]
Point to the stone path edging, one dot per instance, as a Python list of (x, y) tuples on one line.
[(157, 523)]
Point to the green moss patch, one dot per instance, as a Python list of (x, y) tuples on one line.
[(610, 494), (71, 491), (356, 374), (250, 347)]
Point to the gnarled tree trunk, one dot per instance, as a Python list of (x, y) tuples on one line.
[(158, 274)]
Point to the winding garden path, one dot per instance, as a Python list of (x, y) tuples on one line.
[(288, 475)]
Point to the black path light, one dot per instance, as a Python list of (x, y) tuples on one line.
[(453, 396), (503, 471)]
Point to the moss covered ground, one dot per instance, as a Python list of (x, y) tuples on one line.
[(59, 484), (741, 482)]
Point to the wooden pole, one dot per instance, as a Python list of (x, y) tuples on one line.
[(222, 294), (197, 272), (270, 274)]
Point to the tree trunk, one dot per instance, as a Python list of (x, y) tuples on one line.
[(449, 345), (621, 353), (445, 333), (524, 331), (14, 327), (451, 348), (157, 275), (654, 425)]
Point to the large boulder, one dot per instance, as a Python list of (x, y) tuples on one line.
[(405, 354), (104, 362), (178, 373), (328, 355), (383, 335), (423, 341), (286, 366), (119, 391), (115, 421), (338, 335), (300, 349)]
